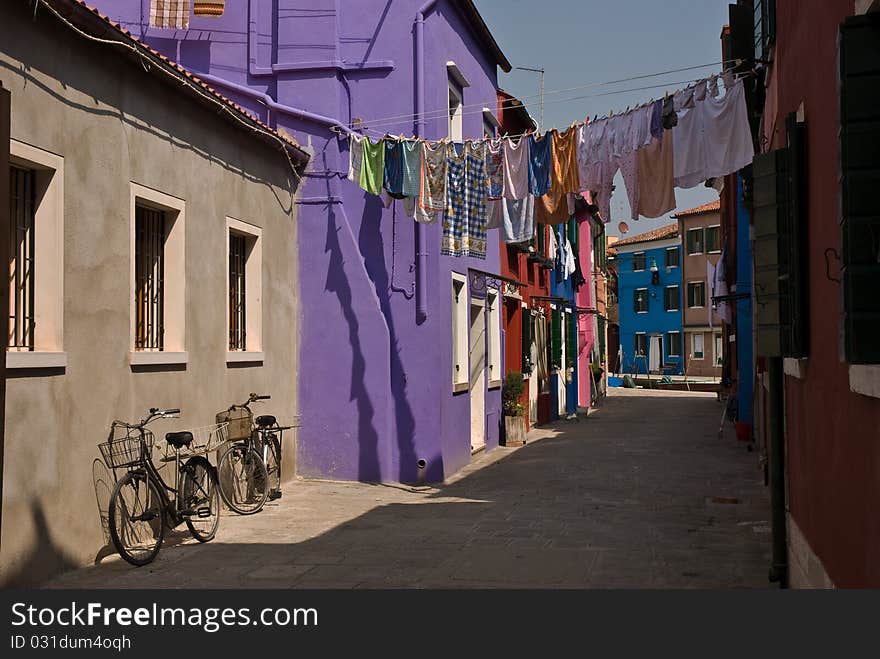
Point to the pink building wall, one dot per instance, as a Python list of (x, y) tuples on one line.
[(584, 300)]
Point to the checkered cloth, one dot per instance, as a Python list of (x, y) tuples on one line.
[(465, 218), (202, 8), (170, 13)]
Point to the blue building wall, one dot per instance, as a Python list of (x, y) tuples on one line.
[(657, 320), (744, 352)]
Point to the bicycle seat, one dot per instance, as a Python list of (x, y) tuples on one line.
[(179, 439), (266, 420)]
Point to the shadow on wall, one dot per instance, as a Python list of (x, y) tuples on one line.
[(104, 482), (45, 559), (373, 250)]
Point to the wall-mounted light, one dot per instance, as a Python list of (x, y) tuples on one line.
[(655, 272)]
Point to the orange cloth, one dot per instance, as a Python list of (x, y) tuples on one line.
[(552, 208), (208, 8)]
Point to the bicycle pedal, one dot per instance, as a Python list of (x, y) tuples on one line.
[(205, 512)]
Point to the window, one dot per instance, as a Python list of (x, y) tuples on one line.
[(244, 291), (696, 346), (673, 344), (158, 278), (713, 239), (571, 340), (695, 241), (696, 294), (455, 112), (765, 27), (640, 345), (640, 296), (149, 274), (556, 339), (671, 258), (527, 334), (21, 259), (719, 350), (459, 333), (490, 124), (638, 261), (36, 258), (671, 298), (494, 331)]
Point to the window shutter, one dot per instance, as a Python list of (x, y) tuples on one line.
[(860, 144), (571, 341), (526, 341), (556, 339), (770, 187), (793, 257)]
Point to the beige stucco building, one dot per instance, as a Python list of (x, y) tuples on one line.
[(700, 234), (104, 138)]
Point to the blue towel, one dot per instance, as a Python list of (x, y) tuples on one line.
[(540, 164)]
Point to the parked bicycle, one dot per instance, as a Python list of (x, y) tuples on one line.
[(250, 468), (143, 504)]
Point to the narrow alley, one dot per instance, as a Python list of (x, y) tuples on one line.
[(642, 494)]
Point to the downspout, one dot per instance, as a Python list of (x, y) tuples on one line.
[(421, 231), (776, 450)]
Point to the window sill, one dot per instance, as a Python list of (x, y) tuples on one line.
[(796, 368), (36, 359), (865, 380), (495, 384), (459, 387), (242, 356), (157, 358)]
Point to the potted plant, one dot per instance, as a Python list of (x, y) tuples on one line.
[(514, 410)]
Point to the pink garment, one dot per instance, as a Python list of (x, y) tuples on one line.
[(516, 169), (656, 180)]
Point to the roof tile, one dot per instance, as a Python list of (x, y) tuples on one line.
[(669, 231)]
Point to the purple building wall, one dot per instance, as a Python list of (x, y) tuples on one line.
[(375, 376)]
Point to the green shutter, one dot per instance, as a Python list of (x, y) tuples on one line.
[(794, 274), (860, 144), (601, 325), (526, 341), (556, 339), (770, 172), (571, 341)]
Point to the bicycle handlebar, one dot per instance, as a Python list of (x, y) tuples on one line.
[(254, 397)]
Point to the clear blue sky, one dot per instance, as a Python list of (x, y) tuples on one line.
[(583, 42)]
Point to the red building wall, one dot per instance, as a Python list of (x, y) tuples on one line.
[(832, 434)]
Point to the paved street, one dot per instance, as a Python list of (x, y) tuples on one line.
[(641, 494)]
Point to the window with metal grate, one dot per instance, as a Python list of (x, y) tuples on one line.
[(149, 278), (21, 258)]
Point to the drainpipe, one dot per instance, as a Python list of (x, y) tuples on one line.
[(421, 231), (776, 449)]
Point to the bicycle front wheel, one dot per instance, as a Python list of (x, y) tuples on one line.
[(200, 499), (244, 483), (136, 518)]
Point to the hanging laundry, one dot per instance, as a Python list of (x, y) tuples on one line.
[(464, 221), (554, 207), (517, 219), (640, 130), (516, 168), (170, 13), (540, 164), (393, 179), (355, 157), (713, 139), (569, 260), (552, 246), (210, 9), (670, 118), (577, 277), (495, 168), (656, 180), (432, 187), (373, 166), (713, 86), (657, 120), (412, 168)]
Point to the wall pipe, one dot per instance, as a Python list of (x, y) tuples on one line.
[(776, 450), (421, 231)]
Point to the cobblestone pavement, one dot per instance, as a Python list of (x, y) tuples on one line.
[(642, 493)]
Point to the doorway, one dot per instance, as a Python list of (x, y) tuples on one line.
[(478, 374), (655, 354)]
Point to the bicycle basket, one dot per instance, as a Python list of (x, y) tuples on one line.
[(240, 421), (126, 447), (205, 440)]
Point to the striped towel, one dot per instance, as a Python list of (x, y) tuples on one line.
[(203, 8), (170, 13)]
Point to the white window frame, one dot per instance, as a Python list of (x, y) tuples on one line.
[(460, 347), (678, 303), (493, 332), (644, 255), (647, 304), (688, 301), (174, 280), (456, 119), (706, 239), (687, 241), (253, 282), (636, 353), (718, 355), (693, 351), (48, 239), (669, 344)]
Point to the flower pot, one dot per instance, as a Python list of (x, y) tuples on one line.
[(514, 430)]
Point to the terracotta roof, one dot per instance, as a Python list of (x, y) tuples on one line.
[(669, 231), (711, 207), (91, 21)]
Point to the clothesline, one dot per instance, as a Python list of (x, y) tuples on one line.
[(440, 113)]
